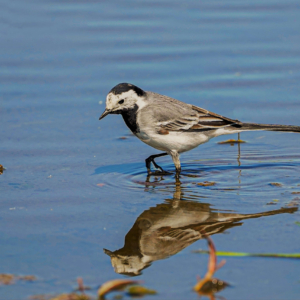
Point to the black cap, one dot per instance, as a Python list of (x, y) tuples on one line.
[(125, 87)]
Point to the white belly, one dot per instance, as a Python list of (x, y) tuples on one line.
[(179, 141)]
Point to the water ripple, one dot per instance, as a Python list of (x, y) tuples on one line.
[(254, 175)]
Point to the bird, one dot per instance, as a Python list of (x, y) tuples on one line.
[(170, 125)]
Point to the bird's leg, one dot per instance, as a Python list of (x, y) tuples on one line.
[(150, 160), (175, 156)]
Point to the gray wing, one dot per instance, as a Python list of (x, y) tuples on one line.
[(169, 114)]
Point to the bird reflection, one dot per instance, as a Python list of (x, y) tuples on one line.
[(166, 229)]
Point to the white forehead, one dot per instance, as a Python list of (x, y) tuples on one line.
[(112, 98)]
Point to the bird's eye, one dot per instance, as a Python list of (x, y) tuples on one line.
[(121, 101)]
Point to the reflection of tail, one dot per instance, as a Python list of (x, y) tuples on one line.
[(269, 127), (240, 217), (226, 221)]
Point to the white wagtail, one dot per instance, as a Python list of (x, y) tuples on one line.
[(170, 125)]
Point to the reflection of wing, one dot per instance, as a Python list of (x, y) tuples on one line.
[(183, 237), (166, 241), (163, 242), (198, 119), (179, 235)]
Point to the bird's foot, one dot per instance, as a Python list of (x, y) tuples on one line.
[(157, 166), (160, 170)]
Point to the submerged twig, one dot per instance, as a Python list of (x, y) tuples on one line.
[(209, 285)]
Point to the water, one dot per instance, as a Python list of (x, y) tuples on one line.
[(72, 187)]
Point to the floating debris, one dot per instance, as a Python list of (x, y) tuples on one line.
[(297, 223), (123, 138), (10, 278), (294, 203), (72, 296), (275, 184), (138, 291), (100, 184), (273, 202), (1, 169), (295, 193), (208, 286), (206, 183), (240, 254), (232, 142), (7, 279), (110, 286), (114, 285)]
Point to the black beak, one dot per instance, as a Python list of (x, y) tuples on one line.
[(105, 113)]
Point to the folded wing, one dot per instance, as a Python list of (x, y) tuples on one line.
[(198, 119)]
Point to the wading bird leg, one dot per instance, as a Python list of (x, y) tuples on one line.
[(150, 160), (177, 174)]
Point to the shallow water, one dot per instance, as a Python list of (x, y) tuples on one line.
[(72, 187)]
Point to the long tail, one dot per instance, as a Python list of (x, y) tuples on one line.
[(269, 127)]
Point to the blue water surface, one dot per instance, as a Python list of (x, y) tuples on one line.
[(72, 187)]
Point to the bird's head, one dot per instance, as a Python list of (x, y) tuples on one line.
[(131, 265), (121, 98)]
